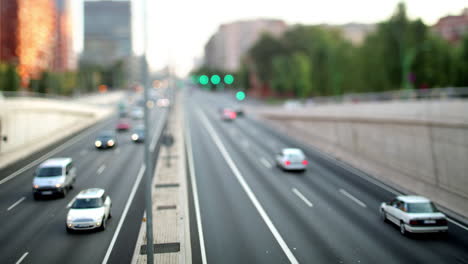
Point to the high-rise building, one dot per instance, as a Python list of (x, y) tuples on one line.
[(226, 47), (65, 58), (27, 36), (107, 32), (452, 28)]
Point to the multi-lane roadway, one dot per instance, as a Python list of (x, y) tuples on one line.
[(34, 231), (249, 211)]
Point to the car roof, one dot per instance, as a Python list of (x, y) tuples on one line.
[(90, 193), (413, 199), (55, 162), (292, 151)]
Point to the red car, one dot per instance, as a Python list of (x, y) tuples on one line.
[(123, 125), (228, 115)]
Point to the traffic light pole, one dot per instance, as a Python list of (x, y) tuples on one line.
[(148, 170)]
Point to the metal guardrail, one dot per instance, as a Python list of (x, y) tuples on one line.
[(417, 94)]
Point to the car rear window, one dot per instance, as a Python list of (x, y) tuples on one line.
[(84, 203), (295, 157), (421, 208), (49, 172)]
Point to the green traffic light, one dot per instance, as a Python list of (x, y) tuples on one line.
[(215, 79), (240, 95), (204, 80), (228, 79)]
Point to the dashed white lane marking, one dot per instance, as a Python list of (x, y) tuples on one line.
[(101, 169), (22, 258), (302, 197), (258, 206), (265, 163), (16, 203), (356, 200)]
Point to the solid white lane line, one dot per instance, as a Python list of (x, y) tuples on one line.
[(265, 163), (124, 214), (16, 203), (50, 153), (22, 258), (247, 188), (101, 169), (356, 200), (196, 202), (302, 197)]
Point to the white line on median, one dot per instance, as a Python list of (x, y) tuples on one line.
[(265, 163), (196, 202), (17, 202), (247, 188), (124, 214), (302, 197), (50, 153), (356, 200), (101, 169), (22, 258)]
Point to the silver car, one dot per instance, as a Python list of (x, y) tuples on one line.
[(90, 209), (54, 176), (291, 159)]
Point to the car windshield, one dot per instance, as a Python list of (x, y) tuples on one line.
[(421, 208), (87, 203), (49, 172)]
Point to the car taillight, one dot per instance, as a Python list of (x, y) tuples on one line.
[(305, 162), (287, 163), (413, 222), (233, 115)]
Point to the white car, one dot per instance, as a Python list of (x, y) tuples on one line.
[(54, 176), (137, 113), (291, 159), (90, 209), (414, 214)]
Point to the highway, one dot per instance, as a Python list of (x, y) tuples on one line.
[(249, 211), (34, 231)]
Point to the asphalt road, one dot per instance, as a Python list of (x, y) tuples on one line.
[(252, 212), (34, 231)]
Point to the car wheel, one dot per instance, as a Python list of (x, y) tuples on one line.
[(402, 229), (103, 225), (64, 192), (36, 196), (383, 215), (110, 215)]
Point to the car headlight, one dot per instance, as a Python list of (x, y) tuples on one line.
[(110, 143), (135, 137), (35, 186), (98, 143), (58, 185), (98, 223)]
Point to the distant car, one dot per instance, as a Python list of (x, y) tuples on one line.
[(137, 113), (414, 214), (228, 114), (239, 111), (292, 159), (122, 125), (138, 135), (163, 102), (90, 209), (54, 176), (106, 139)]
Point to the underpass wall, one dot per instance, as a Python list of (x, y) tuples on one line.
[(30, 124), (421, 147)]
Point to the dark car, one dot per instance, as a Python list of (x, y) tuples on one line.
[(138, 135), (106, 139)]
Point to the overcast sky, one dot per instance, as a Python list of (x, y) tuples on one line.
[(179, 29)]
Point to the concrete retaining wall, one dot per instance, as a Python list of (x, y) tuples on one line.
[(31, 124), (421, 147)]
